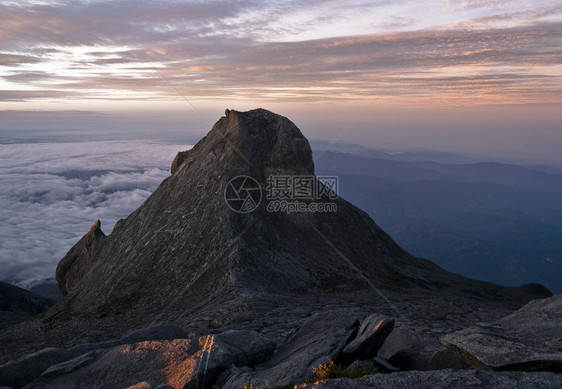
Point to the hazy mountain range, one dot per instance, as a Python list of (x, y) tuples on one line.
[(491, 221)]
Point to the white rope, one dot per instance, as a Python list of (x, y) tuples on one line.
[(207, 362), (202, 356)]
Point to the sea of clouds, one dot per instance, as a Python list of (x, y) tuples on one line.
[(51, 194)]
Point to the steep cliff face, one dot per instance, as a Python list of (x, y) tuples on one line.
[(185, 246)]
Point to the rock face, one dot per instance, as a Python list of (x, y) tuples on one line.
[(185, 235), (291, 286), (528, 339)]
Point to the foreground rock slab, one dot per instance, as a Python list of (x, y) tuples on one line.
[(179, 363), (528, 339), (444, 379), (25, 369)]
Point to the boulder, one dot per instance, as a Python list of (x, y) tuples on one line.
[(401, 338), (427, 355), (319, 338), (370, 338), (528, 339)]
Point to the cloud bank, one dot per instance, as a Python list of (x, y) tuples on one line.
[(467, 52), (51, 193)]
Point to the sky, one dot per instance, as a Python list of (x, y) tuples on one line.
[(468, 76)]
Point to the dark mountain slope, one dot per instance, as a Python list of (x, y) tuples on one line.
[(490, 221), (17, 304)]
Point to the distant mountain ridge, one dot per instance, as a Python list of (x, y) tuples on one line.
[(488, 220), (17, 304), (427, 155)]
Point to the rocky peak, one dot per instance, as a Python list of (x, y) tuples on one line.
[(187, 241), (258, 141), (95, 230)]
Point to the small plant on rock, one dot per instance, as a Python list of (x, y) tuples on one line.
[(327, 371), (332, 370)]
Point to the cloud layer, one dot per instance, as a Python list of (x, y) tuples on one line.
[(469, 52), (51, 193)]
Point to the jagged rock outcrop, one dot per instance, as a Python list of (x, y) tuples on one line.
[(179, 159), (72, 267), (300, 280)]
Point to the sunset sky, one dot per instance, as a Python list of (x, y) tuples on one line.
[(475, 76)]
